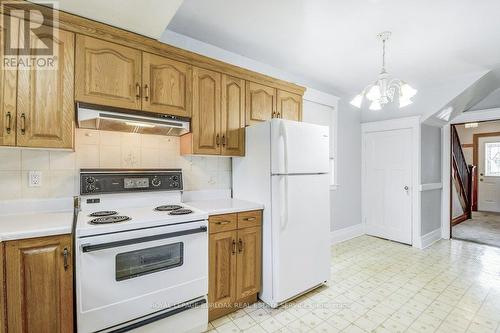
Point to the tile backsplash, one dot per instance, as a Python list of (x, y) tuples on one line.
[(102, 149)]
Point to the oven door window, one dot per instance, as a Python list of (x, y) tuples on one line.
[(147, 261)]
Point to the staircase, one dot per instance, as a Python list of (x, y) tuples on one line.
[(464, 178)]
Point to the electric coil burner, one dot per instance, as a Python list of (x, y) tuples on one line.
[(109, 219), (181, 211), (103, 213), (167, 208)]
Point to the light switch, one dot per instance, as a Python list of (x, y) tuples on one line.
[(35, 179)]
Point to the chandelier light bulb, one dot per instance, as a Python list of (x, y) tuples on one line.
[(375, 106), (404, 102), (357, 100), (408, 91), (374, 93)]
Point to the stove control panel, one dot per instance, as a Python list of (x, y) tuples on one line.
[(120, 181)]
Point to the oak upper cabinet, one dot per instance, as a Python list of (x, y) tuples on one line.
[(233, 116), (222, 269), (205, 137), (249, 262), (45, 104), (289, 106), (107, 73), (8, 89), (166, 86), (260, 103), (39, 285)]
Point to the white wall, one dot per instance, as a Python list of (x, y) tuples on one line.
[(346, 199), (430, 173)]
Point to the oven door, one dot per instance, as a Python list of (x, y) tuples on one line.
[(124, 276)]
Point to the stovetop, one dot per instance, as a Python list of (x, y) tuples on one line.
[(133, 211)]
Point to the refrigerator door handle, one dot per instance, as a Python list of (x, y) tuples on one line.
[(284, 204), (284, 135)]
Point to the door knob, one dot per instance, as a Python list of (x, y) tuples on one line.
[(481, 174), (406, 188)]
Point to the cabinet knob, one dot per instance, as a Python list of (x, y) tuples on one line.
[(222, 222), (234, 247), (146, 92), (223, 140), (240, 246), (217, 140), (23, 124), (249, 219), (137, 91)]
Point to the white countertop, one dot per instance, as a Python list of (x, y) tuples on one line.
[(224, 206), (40, 224)]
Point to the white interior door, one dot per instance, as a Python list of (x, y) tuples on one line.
[(489, 174), (387, 193)]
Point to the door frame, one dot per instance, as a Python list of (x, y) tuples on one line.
[(412, 123), (466, 117)]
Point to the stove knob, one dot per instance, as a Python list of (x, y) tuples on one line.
[(91, 188), (175, 178), (90, 180), (175, 184), (156, 182)]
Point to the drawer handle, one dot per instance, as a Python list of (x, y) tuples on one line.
[(240, 246), (249, 219), (9, 122), (234, 247), (222, 222)]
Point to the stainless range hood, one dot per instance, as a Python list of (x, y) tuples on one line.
[(91, 116)]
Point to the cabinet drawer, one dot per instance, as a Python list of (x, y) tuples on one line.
[(218, 223), (250, 219)]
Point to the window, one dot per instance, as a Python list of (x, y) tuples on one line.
[(492, 159)]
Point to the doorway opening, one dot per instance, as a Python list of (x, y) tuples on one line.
[(475, 182)]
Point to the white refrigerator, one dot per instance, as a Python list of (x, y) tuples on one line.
[(286, 168)]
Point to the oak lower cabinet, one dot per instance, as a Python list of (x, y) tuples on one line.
[(39, 285), (37, 104), (235, 261), (218, 117)]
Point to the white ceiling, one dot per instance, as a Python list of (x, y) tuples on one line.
[(146, 17), (333, 43)]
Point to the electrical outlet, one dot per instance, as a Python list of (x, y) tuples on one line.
[(35, 179)]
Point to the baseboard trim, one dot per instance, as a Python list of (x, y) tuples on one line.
[(344, 234), (429, 239)]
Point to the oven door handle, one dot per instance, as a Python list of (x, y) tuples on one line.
[(97, 247)]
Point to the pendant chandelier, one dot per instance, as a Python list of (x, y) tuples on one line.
[(385, 88)]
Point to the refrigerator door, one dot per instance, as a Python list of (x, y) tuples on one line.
[(300, 234), (299, 148)]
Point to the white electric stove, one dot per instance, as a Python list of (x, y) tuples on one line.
[(141, 254)]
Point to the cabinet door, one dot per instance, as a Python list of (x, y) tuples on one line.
[(39, 278), (206, 112), (8, 88), (249, 262), (222, 270), (166, 86), (260, 103), (45, 105), (107, 73), (289, 106), (233, 116)]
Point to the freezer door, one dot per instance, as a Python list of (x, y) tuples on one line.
[(299, 148), (300, 229)]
